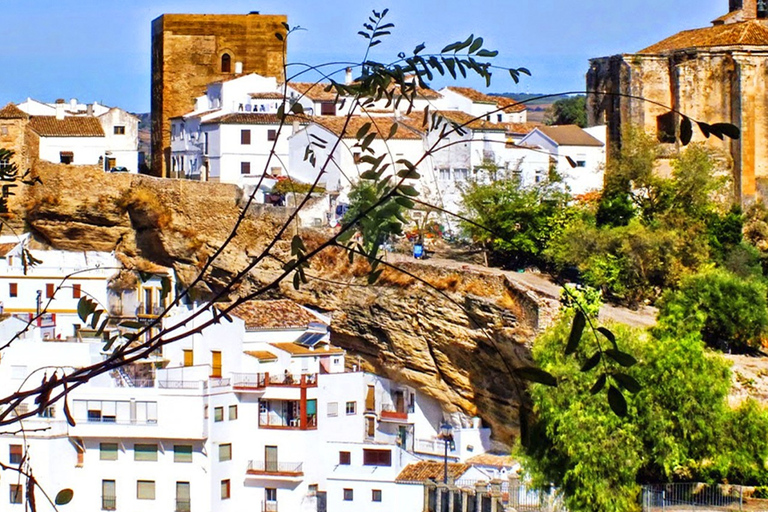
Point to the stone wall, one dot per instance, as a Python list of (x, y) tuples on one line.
[(186, 56)]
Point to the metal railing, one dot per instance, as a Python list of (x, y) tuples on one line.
[(692, 496), (183, 505), (249, 380), (108, 503), (269, 506), (269, 466)]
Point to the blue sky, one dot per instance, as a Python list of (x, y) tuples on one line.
[(100, 49)]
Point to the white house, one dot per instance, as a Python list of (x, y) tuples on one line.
[(259, 413), (84, 134), (580, 157), (498, 109)]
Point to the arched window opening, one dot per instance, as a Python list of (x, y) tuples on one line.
[(226, 63), (665, 128)]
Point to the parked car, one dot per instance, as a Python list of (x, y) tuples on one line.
[(118, 169)]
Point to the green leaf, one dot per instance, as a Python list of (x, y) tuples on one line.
[(627, 382), (95, 318), (374, 276), (592, 361), (476, 45), (624, 359), (727, 129), (577, 329), (686, 131), (85, 306), (369, 175), (131, 324), (296, 281), (362, 131), (617, 401), (487, 53), (392, 131), (345, 236), (405, 202), (705, 128), (533, 374), (279, 36), (64, 496), (297, 246), (297, 108), (103, 325), (599, 384), (409, 174), (419, 48), (408, 190), (608, 334)]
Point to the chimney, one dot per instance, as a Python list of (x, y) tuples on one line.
[(348, 76), (749, 10), (73, 105), (238, 68), (89, 109), (60, 105)]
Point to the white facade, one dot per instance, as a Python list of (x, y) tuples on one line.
[(85, 150), (238, 418)]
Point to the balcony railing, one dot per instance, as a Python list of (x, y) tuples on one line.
[(108, 503), (273, 467), (391, 413), (262, 380), (144, 310), (269, 506), (183, 505)]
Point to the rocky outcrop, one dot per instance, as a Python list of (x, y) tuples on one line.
[(456, 340)]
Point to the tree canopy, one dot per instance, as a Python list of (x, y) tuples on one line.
[(570, 110)]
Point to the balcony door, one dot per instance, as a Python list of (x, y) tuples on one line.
[(215, 364), (270, 459)]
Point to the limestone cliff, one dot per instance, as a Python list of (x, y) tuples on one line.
[(454, 344)]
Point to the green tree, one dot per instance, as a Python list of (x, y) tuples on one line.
[(676, 428), (570, 110)]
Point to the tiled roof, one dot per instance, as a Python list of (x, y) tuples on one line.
[(521, 128), (379, 125), (431, 470), (253, 118), (496, 461), (11, 111), (569, 135), (274, 314), (469, 121), (300, 350), (510, 106), (313, 91), (267, 95), (745, 33), (730, 17), (262, 355), (473, 94), (49, 126), (5, 248)]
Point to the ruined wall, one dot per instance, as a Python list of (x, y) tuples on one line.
[(13, 137), (186, 56)]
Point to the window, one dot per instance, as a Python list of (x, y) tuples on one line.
[(345, 458), (377, 457), (189, 357), (16, 454), (108, 451), (444, 174), (226, 63), (119, 130), (225, 452), (245, 167), (271, 135), (49, 290), (66, 157), (13, 289), (665, 128), (270, 459), (206, 144), (460, 174), (328, 109), (108, 497), (218, 414), (215, 364), (183, 498), (312, 490), (333, 408), (145, 489), (348, 494), (3, 130), (499, 118), (232, 412), (270, 494), (145, 452), (76, 291), (47, 412), (351, 408), (182, 453), (245, 137), (225, 490), (376, 495), (16, 494)]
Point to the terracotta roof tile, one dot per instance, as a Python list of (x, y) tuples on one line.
[(274, 314), (252, 118), (468, 120), (379, 125), (49, 126), (510, 106), (6, 248), (262, 355), (489, 459), (313, 91), (11, 111), (569, 135), (521, 128), (473, 94), (267, 95), (431, 470), (300, 350), (746, 33)]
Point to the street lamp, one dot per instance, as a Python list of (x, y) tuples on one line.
[(446, 434)]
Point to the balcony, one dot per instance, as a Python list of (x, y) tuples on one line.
[(269, 506), (108, 503), (148, 310), (258, 381), (391, 414), (275, 470), (183, 505)]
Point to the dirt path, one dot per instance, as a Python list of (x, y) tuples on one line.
[(542, 285)]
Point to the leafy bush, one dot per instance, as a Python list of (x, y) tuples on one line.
[(678, 427), (288, 186), (728, 311)]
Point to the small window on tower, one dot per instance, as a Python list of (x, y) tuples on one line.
[(226, 63), (665, 128)]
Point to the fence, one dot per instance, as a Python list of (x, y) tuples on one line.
[(699, 497), (494, 496)]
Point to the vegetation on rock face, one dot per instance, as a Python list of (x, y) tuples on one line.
[(679, 426)]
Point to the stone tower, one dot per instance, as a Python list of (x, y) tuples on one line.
[(713, 74), (189, 51)]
